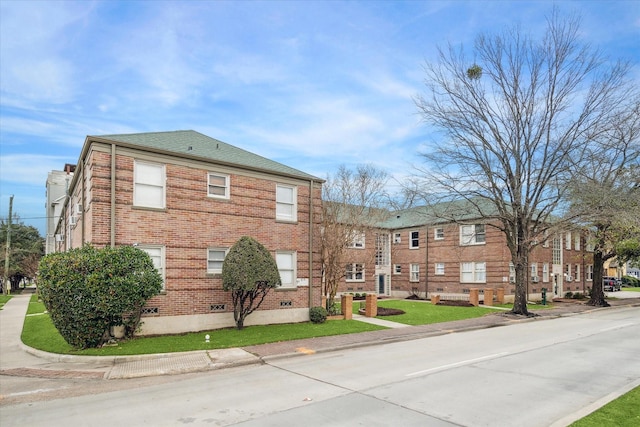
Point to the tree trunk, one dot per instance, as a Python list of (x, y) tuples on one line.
[(597, 291), (521, 264)]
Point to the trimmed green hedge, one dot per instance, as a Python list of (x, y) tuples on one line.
[(88, 290)]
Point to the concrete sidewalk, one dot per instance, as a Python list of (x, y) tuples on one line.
[(19, 360)]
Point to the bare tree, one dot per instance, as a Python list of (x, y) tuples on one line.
[(352, 204), (514, 120), (605, 192)]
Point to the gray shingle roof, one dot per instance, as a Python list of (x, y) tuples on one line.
[(190, 143)]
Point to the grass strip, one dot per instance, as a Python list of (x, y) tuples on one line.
[(39, 333), (622, 412), (4, 299)]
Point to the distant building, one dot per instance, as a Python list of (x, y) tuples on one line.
[(57, 190)]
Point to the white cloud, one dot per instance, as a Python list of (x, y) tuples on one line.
[(30, 169)]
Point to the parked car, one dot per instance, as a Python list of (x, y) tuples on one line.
[(610, 284)]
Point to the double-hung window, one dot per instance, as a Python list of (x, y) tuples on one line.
[(414, 239), (156, 253), (286, 261), (149, 185), (354, 272), (286, 203), (589, 272), (438, 233), (357, 240), (215, 259), (439, 269), (473, 234), (545, 272), (218, 185), (473, 272), (414, 275)]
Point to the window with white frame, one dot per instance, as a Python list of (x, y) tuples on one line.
[(545, 243), (286, 261), (397, 269), (472, 234), (215, 259), (556, 252), (383, 252), (156, 253), (589, 273), (568, 241), (576, 243), (439, 269), (414, 239), (286, 202), (218, 185), (589, 244), (545, 272), (397, 237), (354, 272), (576, 275), (534, 271), (149, 184), (512, 273), (414, 275), (473, 272), (567, 273), (357, 240), (438, 233)]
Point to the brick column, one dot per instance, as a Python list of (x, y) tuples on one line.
[(500, 295), (488, 296), (346, 302), (371, 305), (473, 297), (324, 301)]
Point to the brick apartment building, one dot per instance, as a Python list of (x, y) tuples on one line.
[(185, 199), (415, 253)]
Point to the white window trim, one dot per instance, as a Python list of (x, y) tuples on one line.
[(294, 205), (475, 271), (357, 240), (439, 269), (411, 245), (568, 241), (354, 272), (137, 185), (397, 237), (470, 239), (576, 243), (414, 273), (397, 268), (589, 272), (227, 185), (162, 267), (435, 233), (293, 269), (218, 249), (545, 272)]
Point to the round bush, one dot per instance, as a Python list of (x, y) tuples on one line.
[(317, 314)]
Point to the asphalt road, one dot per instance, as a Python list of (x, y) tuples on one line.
[(530, 374)]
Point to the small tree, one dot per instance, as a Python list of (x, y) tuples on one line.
[(248, 272), (352, 203), (88, 290)]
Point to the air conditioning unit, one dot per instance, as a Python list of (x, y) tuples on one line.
[(78, 209), (73, 220), (535, 279), (569, 278), (59, 238), (397, 239)]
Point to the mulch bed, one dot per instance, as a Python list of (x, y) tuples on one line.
[(454, 303), (383, 311)]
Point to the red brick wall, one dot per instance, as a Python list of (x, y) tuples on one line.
[(193, 222)]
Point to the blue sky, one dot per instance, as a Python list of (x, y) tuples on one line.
[(313, 85)]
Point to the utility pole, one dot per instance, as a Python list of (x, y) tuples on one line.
[(7, 287)]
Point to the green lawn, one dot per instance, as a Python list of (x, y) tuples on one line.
[(622, 412), (631, 289), (423, 313), (39, 332), (4, 299)]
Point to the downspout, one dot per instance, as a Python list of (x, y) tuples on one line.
[(426, 273), (310, 243), (113, 196)]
